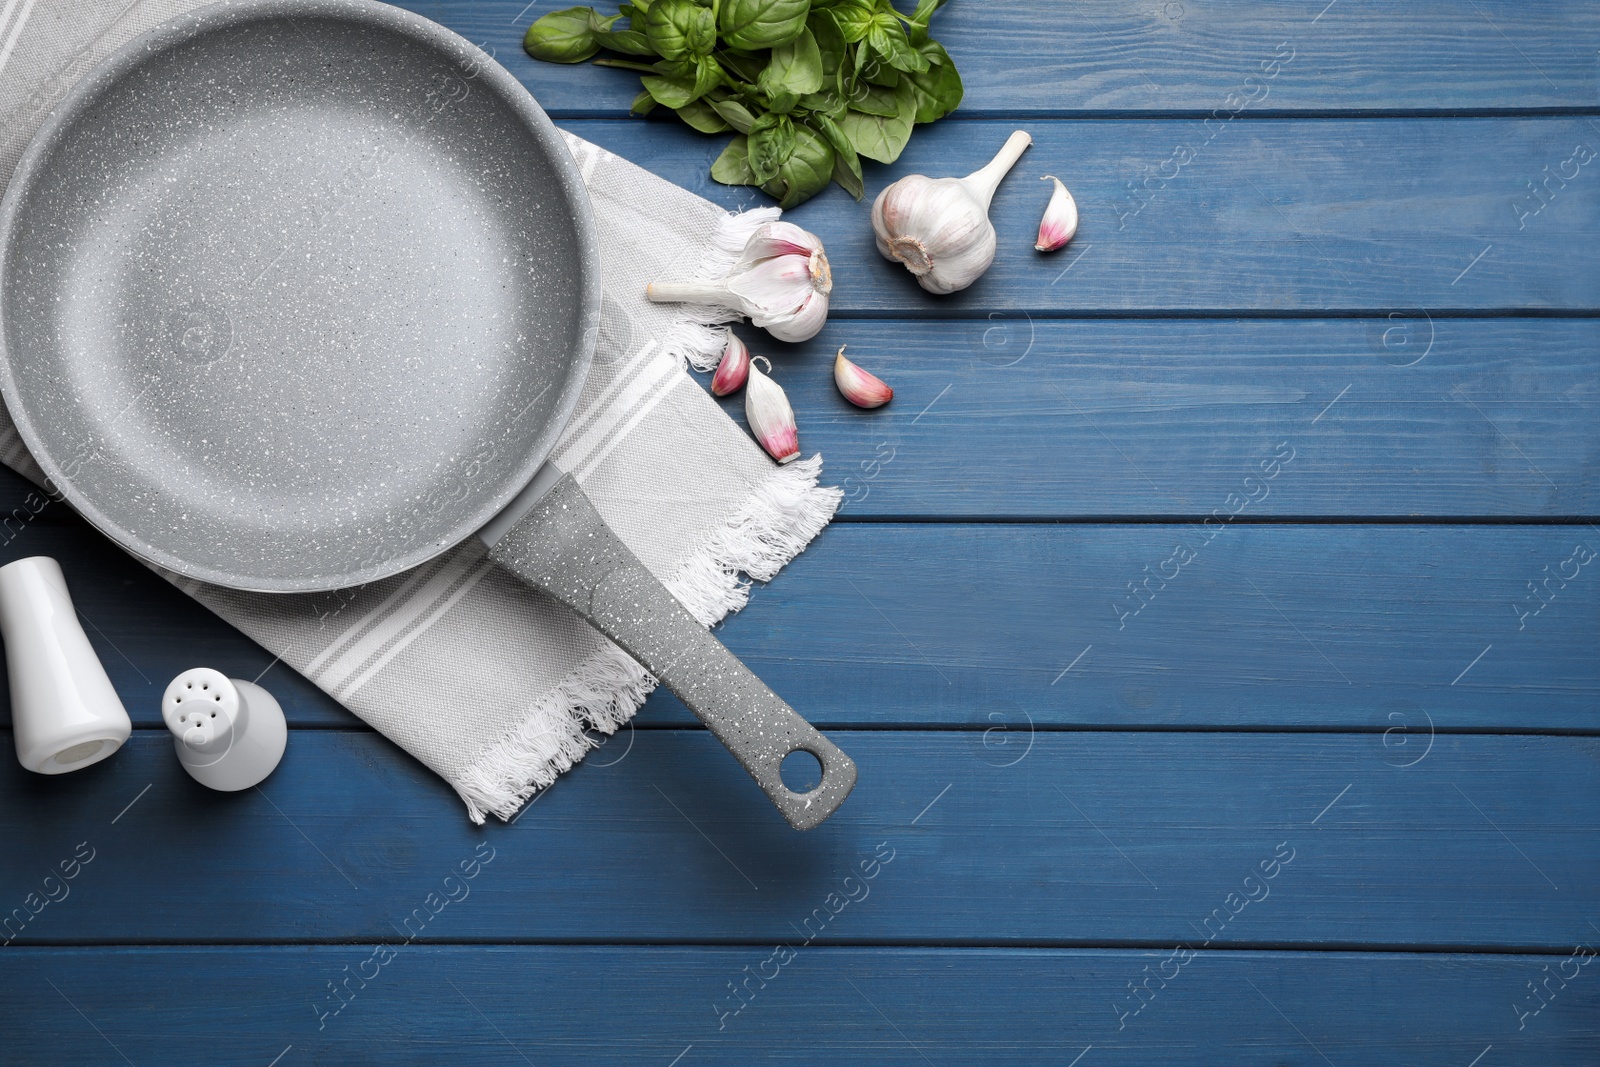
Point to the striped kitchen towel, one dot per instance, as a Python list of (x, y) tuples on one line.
[(680, 483)]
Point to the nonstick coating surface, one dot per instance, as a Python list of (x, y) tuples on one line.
[(295, 294)]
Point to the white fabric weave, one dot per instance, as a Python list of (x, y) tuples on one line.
[(681, 484)]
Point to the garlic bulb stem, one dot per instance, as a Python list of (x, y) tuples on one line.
[(781, 281), (939, 228), (690, 293), (984, 181)]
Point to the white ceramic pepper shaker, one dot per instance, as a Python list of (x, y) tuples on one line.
[(229, 733), (65, 714)]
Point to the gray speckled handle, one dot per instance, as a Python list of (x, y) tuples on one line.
[(563, 546)]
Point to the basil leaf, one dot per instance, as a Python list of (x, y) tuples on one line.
[(888, 39), (565, 36), (830, 42), (680, 28), (782, 102), (917, 28), (628, 42), (734, 114), (745, 67), (703, 117), (854, 20), (860, 57), (878, 72), (642, 104), (938, 90), (827, 103), (685, 85), (771, 143), (881, 137), (733, 166), (807, 171), (761, 23), (846, 165), (795, 67), (875, 100)]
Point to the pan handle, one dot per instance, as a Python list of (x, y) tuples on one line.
[(563, 546)]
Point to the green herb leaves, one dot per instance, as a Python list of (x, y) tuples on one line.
[(795, 67), (677, 29), (807, 86), (752, 24), (564, 36), (879, 136)]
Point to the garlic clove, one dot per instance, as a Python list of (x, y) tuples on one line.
[(780, 298), (1060, 220), (766, 408), (939, 228), (803, 323), (779, 239), (780, 281), (734, 368), (860, 388), (779, 284)]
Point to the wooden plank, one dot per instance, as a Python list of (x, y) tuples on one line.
[(1356, 627), (1011, 415), (952, 624), (582, 1005), (1008, 415), (1108, 839), (1266, 216), (1122, 57)]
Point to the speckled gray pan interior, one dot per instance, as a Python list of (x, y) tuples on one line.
[(295, 294)]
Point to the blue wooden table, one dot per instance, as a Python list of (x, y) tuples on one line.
[(1213, 617)]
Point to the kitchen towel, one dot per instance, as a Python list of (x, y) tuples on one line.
[(497, 688)]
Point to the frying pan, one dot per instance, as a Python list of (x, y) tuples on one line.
[(298, 294)]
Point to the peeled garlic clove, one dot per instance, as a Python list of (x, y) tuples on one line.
[(734, 368), (939, 228), (780, 281), (771, 419), (860, 388), (1060, 220)]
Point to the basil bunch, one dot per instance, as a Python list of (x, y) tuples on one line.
[(808, 86)]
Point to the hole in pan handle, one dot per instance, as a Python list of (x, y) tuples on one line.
[(561, 545)]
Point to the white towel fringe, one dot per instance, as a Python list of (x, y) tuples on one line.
[(784, 513), (601, 694), (697, 337)]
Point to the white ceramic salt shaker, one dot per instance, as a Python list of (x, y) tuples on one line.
[(229, 734), (65, 714)]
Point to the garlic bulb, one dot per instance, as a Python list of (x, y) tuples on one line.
[(939, 227), (766, 408), (781, 281), (860, 388), (1060, 220), (734, 368)]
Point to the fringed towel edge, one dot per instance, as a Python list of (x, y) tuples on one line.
[(786, 511), (698, 335)]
